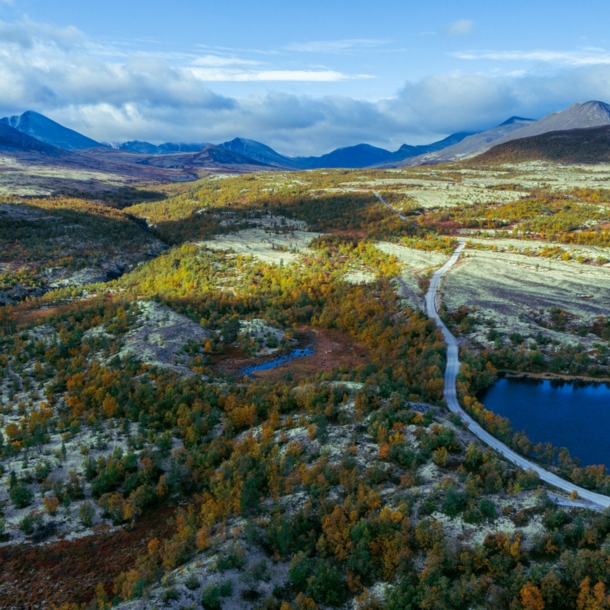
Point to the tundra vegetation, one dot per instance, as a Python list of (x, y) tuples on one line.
[(349, 485)]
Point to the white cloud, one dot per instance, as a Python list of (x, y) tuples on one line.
[(335, 46), (109, 95), (453, 102), (585, 57), (215, 60), (461, 27), (423, 111), (214, 74)]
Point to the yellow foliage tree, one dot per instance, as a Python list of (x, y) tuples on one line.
[(531, 598)]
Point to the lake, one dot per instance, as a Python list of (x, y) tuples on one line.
[(266, 366), (571, 415)]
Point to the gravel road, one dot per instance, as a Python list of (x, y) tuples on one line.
[(598, 501)]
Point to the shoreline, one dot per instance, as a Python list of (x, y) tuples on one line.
[(509, 374)]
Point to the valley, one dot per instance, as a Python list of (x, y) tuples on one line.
[(131, 323)]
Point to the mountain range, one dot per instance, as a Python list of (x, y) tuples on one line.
[(358, 156), (468, 147), (35, 138), (361, 155), (576, 116)]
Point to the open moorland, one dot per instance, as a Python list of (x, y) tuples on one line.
[(226, 392)]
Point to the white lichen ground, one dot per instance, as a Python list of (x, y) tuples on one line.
[(63, 454), (157, 338), (273, 248), (510, 289), (415, 264)]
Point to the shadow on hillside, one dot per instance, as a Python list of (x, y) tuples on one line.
[(123, 197), (360, 213), (42, 231)]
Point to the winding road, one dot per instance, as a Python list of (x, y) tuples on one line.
[(598, 501)]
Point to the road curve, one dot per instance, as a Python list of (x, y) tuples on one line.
[(453, 367)]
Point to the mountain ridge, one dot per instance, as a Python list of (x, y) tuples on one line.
[(167, 148), (470, 146), (577, 116), (356, 157), (46, 130), (580, 115), (243, 152), (590, 145)]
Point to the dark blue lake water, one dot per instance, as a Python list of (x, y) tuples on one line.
[(265, 366), (571, 415)]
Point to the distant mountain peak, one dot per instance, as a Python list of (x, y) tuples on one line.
[(577, 116), (592, 104), (516, 119), (259, 152), (48, 131)]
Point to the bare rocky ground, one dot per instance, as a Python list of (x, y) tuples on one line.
[(158, 337)]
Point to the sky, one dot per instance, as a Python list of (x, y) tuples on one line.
[(302, 77)]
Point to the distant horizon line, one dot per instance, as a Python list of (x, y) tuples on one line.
[(116, 145)]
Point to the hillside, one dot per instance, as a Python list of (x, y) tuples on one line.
[(361, 155), (469, 146), (576, 116), (33, 168), (406, 151), (261, 152), (211, 157), (587, 146), (19, 143)]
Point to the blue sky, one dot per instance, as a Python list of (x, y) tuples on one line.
[(304, 77)]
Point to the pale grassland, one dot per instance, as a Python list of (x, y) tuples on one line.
[(274, 248), (510, 290)]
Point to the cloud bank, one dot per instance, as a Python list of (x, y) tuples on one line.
[(112, 95)]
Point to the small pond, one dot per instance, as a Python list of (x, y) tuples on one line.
[(572, 415), (266, 366)]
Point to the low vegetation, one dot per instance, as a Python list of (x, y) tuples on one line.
[(347, 485)]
